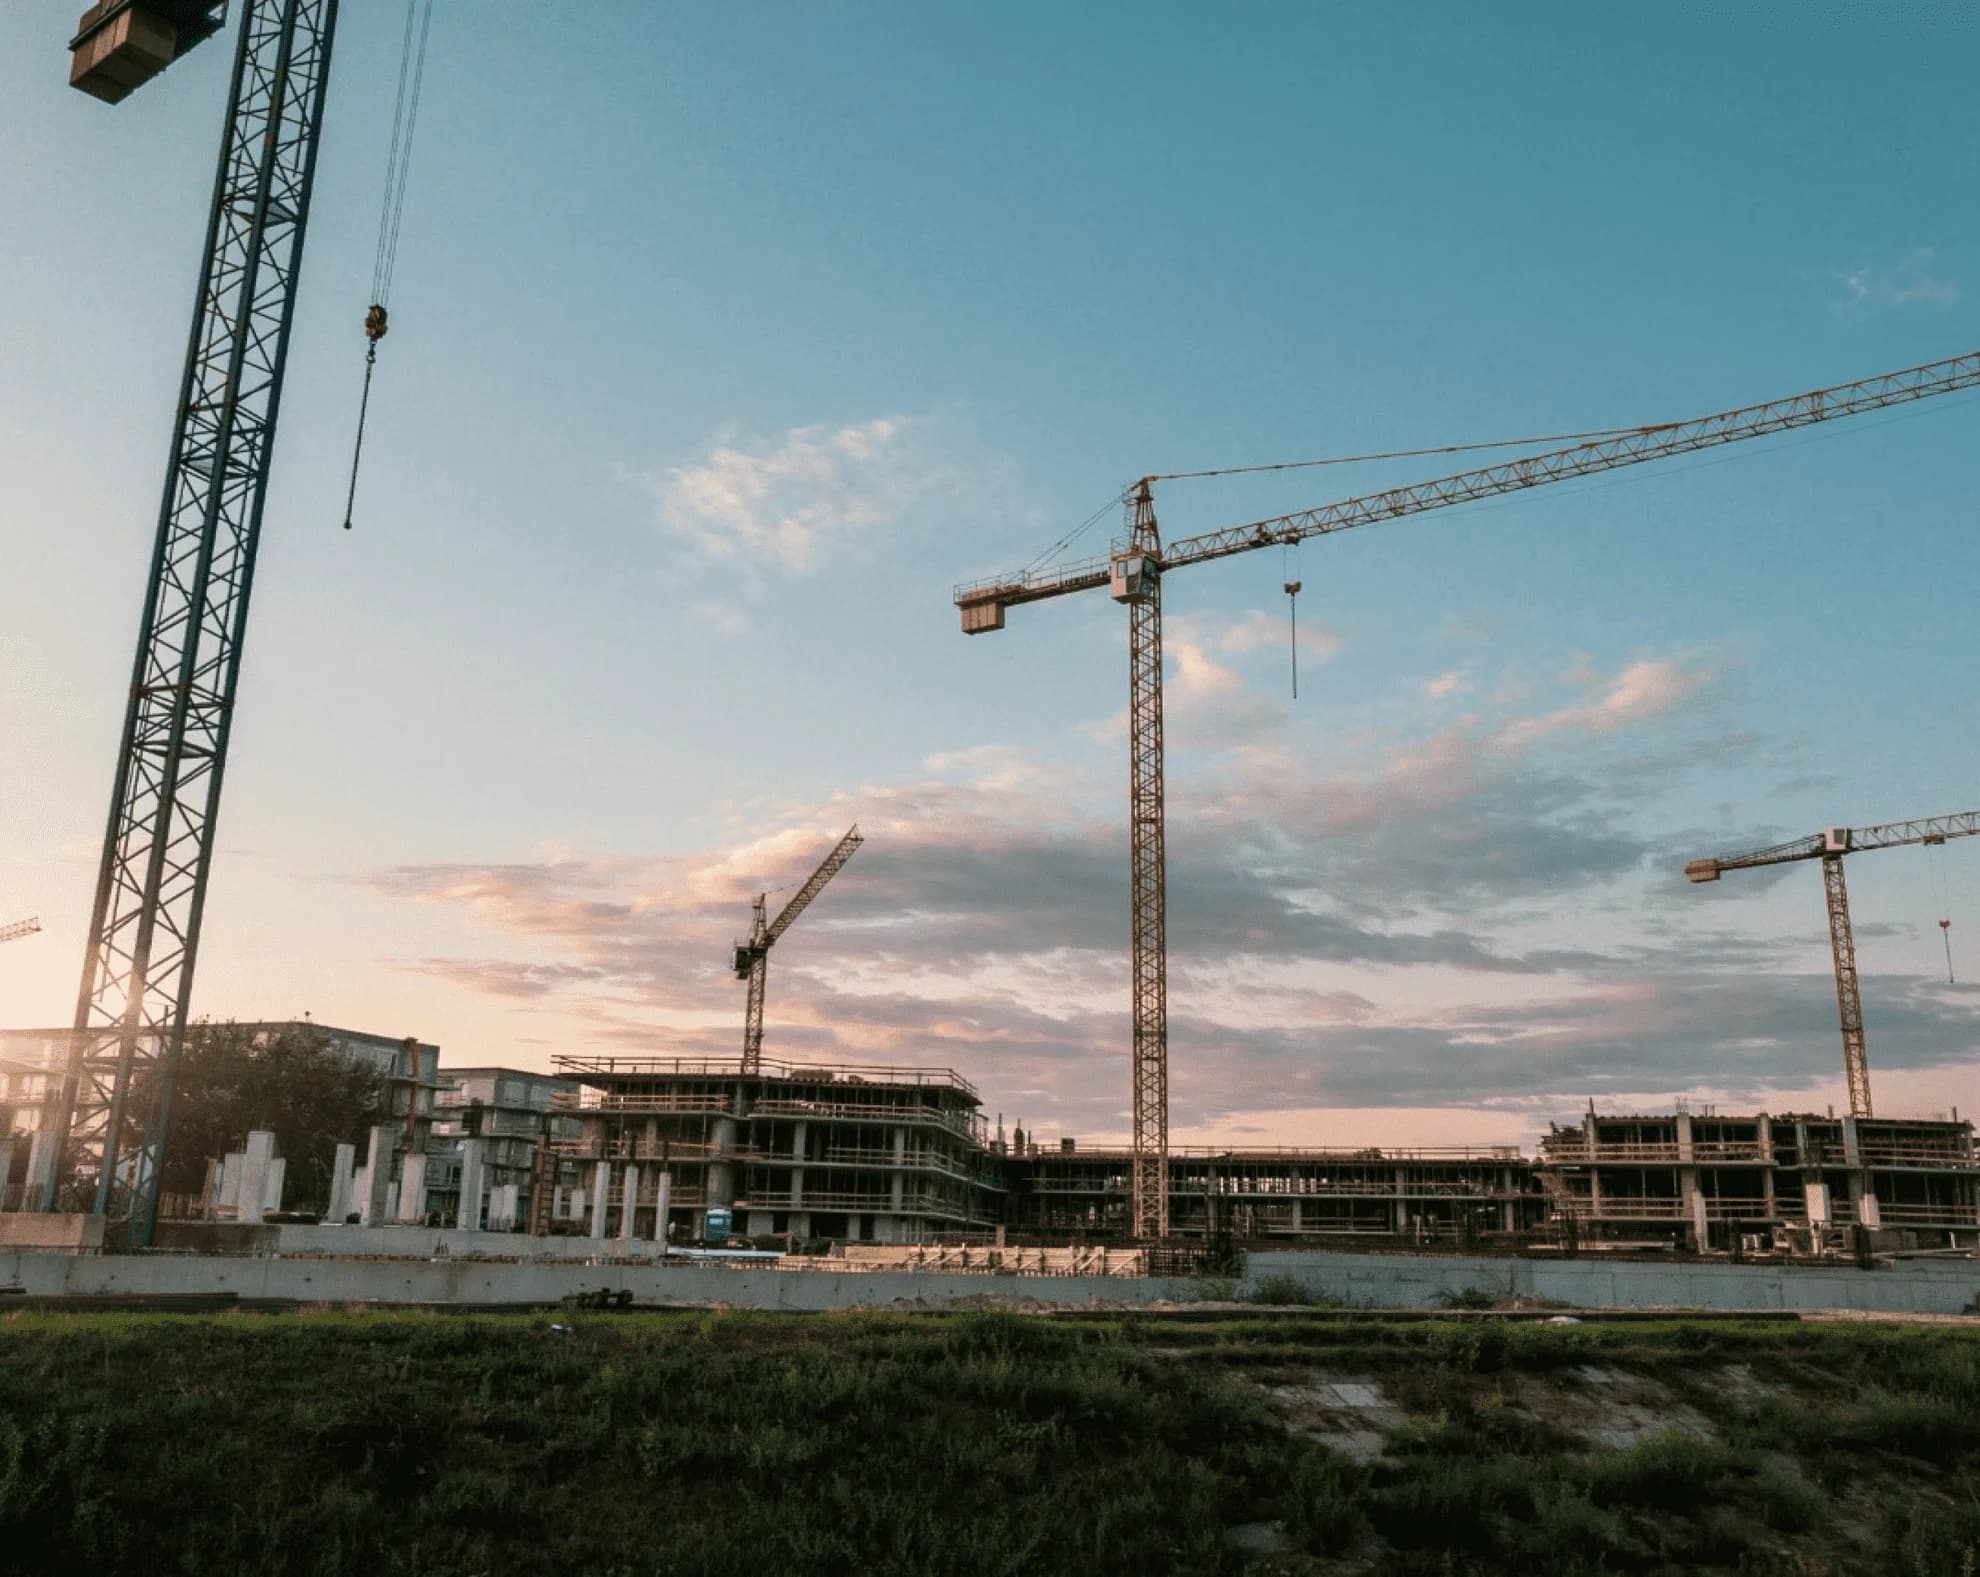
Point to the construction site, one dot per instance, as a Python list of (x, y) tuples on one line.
[(1495, 1073), (723, 1152)]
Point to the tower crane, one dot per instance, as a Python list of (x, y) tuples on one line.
[(1133, 574), (19, 928), (752, 958), (1829, 847), (151, 884)]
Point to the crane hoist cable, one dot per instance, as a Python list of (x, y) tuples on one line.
[(1935, 855), (398, 160)]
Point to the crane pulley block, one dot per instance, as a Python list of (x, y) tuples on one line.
[(122, 44)]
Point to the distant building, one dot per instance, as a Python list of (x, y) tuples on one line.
[(1701, 1180), (863, 1154), (512, 1113), (1443, 1194)]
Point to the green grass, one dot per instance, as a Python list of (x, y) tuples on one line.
[(983, 1442)]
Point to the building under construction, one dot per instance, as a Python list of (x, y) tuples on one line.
[(860, 1154), (904, 1155), (1792, 1181)]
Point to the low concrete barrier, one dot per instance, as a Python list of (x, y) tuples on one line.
[(50, 1231), (1410, 1281), (1359, 1280), (456, 1280)]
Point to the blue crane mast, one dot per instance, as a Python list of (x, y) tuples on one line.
[(115, 1101)]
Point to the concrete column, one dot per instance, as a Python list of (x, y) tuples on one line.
[(1298, 1225), (663, 1198), (629, 1210), (6, 1168), (1691, 1201), (341, 1174), (722, 1173), (227, 1183), (412, 1188), (1862, 1189), (601, 1190), (39, 1188), (1401, 1206), (375, 1191), (271, 1191), (1684, 1138), (253, 1176), (468, 1215), (900, 1160)]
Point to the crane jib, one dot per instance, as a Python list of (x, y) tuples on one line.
[(982, 601)]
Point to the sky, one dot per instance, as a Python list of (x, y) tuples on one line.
[(725, 340)]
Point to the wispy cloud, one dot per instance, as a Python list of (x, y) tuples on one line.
[(1910, 281), (1646, 689), (787, 503), (720, 618)]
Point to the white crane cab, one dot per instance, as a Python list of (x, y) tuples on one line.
[(1131, 575)]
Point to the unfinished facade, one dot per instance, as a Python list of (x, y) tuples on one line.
[(1448, 1195), (488, 1125), (1706, 1180), (860, 1154)]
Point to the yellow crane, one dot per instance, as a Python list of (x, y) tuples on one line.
[(1829, 847), (1133, 574), (752, 957)]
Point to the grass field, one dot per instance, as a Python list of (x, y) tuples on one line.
[(718, 1443)]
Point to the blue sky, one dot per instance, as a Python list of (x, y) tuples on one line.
[(727, 339)]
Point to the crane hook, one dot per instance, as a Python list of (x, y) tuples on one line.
[(1292, 610)]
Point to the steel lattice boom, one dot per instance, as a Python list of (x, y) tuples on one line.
[(752, 958), (1829, 847), (151, 887), (1133, 572), (18, 929)]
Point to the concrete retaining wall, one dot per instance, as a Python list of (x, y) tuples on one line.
[(1409, 1281), (467, 1281), (35, 1230), (1361, 1280)]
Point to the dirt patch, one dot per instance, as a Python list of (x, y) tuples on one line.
[(1350, 1413)]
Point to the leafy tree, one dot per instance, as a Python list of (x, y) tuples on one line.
[(295, 1081)]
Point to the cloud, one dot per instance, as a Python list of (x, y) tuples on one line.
[(720, 618), (788, 503), (1446, 685), (1647, 688), (1259, 631), (1484, 915), (1907, 282)]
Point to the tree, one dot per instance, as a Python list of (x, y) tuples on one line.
[(294, 1081)]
